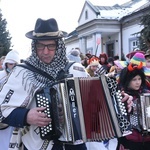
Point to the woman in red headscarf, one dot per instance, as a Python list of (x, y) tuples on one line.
[(103, 61)]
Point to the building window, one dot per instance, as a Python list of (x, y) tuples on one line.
[(134, 43), (86, 15)]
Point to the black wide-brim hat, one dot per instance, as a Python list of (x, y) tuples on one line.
[(46, 30)]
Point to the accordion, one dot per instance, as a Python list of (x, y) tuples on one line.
[(140, 118), (92, 108)]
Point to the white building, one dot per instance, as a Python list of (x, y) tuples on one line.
[(113, 26)]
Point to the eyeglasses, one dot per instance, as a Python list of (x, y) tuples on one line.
[(41, 46)]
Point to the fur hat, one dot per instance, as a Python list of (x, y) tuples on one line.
[(45, 30), (137, 58)]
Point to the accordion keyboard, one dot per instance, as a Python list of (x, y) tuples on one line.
[(42, 101), (49, 98), (120, 107)]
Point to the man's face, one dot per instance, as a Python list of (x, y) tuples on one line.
[(46, 50)]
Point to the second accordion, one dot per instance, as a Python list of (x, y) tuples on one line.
[(92, 108)]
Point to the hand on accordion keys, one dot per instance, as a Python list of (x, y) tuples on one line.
[(37, 117), (128, 99)]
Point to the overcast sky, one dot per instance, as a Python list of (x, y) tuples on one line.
[(21, 16)]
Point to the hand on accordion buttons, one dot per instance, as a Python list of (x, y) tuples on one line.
[(128, 99), (61, 114), (37, 117)]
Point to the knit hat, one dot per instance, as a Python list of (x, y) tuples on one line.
[(137, 58)]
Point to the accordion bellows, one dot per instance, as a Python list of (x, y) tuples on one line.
[(93, 109)]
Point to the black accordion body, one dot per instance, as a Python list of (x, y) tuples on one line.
[(92, 108), (48, 98)]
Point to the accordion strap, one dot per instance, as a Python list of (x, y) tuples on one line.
[(64, 73), (32, 68)]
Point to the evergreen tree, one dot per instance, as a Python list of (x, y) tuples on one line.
[(5, 39), (144, 39)]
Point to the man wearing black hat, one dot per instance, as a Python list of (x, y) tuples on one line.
[(17, 96)]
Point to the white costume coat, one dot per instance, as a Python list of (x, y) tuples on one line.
[(21, 89)]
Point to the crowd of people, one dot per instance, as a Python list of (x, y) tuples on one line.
[(21, 119)]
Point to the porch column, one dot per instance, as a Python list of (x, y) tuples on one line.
[(82, 44), (94, 41)]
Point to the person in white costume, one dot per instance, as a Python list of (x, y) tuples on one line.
[(11, 60), (18, 103), (74, 55), (18, 106)]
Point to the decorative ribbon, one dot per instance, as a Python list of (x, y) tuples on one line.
[(58, 33)]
